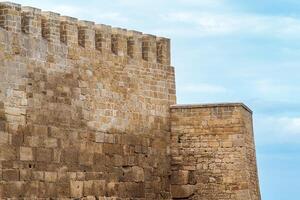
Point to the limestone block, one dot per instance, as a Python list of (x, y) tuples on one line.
[(134, 173), (76, 188), (13, 189), (138, 174), (100, 137), (118, 160), (32, 141), (90, 198), (88, 187), (32, 189), (38, 175), (99, 187), (50, 176), (131, 189), (3, 137), (11, 175), (243, 195), (63, 189), (70, 156), (44, 154), (7, 152), (50, 142), (227, 144), (111, 188), (25, 174), (182, 191), (180, 177), (26, 154), (86, 158)]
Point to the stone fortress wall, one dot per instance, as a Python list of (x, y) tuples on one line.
[(85, 113), (213, 155)]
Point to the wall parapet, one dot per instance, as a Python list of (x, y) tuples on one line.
[(57, 29), (211, 105)]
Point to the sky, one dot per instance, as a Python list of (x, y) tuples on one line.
[(226, 51)]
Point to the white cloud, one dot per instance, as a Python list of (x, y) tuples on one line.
[(271, 89), (285, 127), (210, 3), (277, 129), (86, 12), (74, 11), (202, 88), (206, 24), (112, 16), (202, 3), (290, 125), (67, 10), (135, 2)]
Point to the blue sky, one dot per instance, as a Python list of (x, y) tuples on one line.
[(226, 51)]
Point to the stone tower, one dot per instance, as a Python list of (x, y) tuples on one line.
[(88, 111)]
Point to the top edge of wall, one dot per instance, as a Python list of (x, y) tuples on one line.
[(212, 105)]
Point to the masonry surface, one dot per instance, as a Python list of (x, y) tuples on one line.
[(88, 111)]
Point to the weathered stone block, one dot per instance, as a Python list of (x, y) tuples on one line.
[(25, 174), (44, 154), (100, 137), (50, 176), (70, 156), (31, 189), (86, 158), (76, 188), (180, 177), (63, 189), (14, 189), (112, 188), (135, 174), (182, 191), (4, 137), (46, 189), (7, 152), (50, 142), (26, 154), (11, 175), (99, 187), (88, 187), (38, 175)]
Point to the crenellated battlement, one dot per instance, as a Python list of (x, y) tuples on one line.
[(57, 29)]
